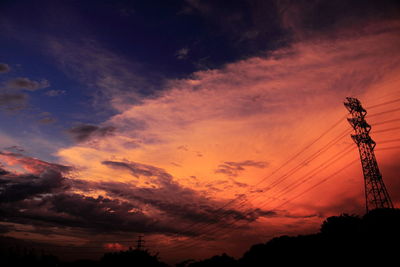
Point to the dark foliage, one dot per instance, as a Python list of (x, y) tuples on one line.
[(20, 256), (343, 240), (131, 258), (216, 261)]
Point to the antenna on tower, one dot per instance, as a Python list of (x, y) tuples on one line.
[(140, 243), (376, 195)]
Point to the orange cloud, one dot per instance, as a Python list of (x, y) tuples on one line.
[(31, 165), (262, 109)]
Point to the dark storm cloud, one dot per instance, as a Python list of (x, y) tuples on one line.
[(135, 168), (44, 178), (19, 187), (3, 172), (85, 132), (105, 214), (46, 198), (190, 204), (187, 205), (27, 84), (47, 201), (231, 168), (95, 215), (5, 228), (4, 68)]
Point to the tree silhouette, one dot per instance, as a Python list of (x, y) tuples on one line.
[(343, 240), (341, 226), (216, 261), (131, 258)]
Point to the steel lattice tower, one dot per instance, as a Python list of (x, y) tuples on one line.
[(376, 194), (140, 243)]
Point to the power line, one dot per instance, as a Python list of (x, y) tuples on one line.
[(292, 171), (387, 130), (308, 174), (392, 128), (383, 112), (278, 169), (393, 140), (388, 148), (230, 212), (390, 141), (288, 201), (387, 121), (299, 153), (384, 103), (329, 177)]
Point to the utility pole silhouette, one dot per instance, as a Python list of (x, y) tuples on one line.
[(376, 195), (140, 243)]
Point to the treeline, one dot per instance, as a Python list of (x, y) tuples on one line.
[(16, 257), (343, 240)]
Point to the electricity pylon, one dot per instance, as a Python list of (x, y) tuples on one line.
[(376, 195), (140, 243)]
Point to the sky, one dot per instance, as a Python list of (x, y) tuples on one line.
[(206, 126)]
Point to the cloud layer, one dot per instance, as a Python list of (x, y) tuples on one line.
[(44, 196), (213, 152), (218, 133)]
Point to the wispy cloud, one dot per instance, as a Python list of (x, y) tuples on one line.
[(263, 108), (234, 168), (46, 196), (47, 120), (23, 83), (84, 132), (259, 108), (12, 96), (182, 53), (113, 78), (13, 101), (55, 92), (4, 68)]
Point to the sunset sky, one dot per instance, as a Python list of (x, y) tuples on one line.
[(206, 126)]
